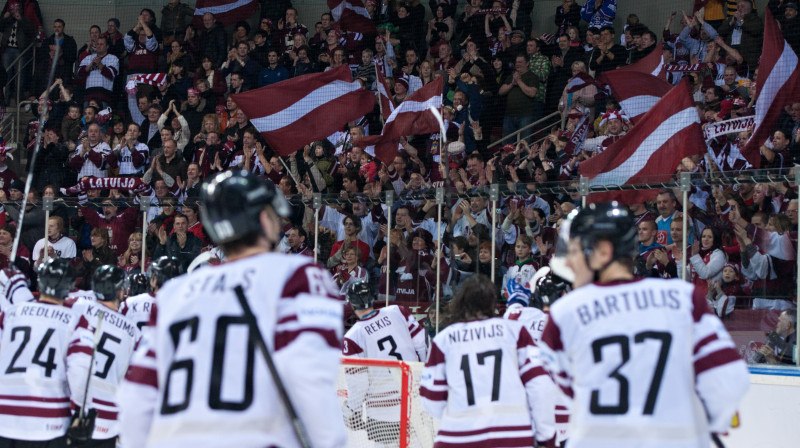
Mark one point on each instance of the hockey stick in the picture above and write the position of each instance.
(12, 257)
(297, 424)
(76, 430)
(715, 438)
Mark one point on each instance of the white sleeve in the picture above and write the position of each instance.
(538, 386)
(710, 269)
(721, 376)
(307, 352)
(433, 387)
(331, 218)
(138, 394)
(417, 332)
(79, 356)
(758, 268)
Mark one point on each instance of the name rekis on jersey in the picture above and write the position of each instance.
(476, 334)
(379, 324)
(627, 302)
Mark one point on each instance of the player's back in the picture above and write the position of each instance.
(214, 386)
(13, 289)
(386, 334)
(41, 343)
(475, 367)
(630, 350)
(138, 308)
(115, 344)
(532, 318)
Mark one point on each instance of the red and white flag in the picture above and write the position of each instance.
(352, 16)
(636, 92)
(384, 96)
(298, 111)
(778, 84)
(411, 117)
(652, 150)
(652, 64)
(226, 12)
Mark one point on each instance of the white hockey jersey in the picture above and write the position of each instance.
(138, 308)
(534, 321)
(117, 339)
(45, 350)
(387, 333)
(64, 248)
(13, 289)
(485, 383)
(198, 379)
(646, 363)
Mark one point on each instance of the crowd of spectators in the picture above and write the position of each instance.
(500, 75)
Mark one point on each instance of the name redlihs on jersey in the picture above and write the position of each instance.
(62, 315)
(476, 334)
(627, 301)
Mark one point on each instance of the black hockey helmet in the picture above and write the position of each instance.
(107, 282)
(606, 221)
(165, 268)
(547, 288)
(232, 201)
(136, 283)
(359, 295)
(56, 278)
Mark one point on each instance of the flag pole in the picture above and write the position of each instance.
(685, 186)
(378, 85)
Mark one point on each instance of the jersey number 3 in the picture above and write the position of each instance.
(388, 339)
(622, 405)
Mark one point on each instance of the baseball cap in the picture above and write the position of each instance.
(792, 5)
(16, 184)
(518, 33)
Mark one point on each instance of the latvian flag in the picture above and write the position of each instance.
(298, 111)
(636, 92)
(651, 151)
(411, 117)
(384, 96)
(778, 84)
(652, 64)
(352, 16)
(226, 12)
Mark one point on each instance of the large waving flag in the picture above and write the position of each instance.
(778, 84)
(226, 12)
(636, 92)
(352, 16)
(411, 117)
(652, 150)
(298, 111)
(652, 64)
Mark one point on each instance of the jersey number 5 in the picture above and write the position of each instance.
(622, 405)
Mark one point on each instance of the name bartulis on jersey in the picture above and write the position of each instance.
(476, 334)
(378, 324)
(627, 302)
(59, 314)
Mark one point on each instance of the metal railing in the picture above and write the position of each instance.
(21, 64)
(545, 123)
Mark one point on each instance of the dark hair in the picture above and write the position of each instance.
(608, 28)
(244, 25)
(476, 298)
(356, 221)
(301, 231)
(461, 242)
(95, 26)
(150, 11)
(261, 33)
(637, 29)
(651, 34)
(60, 21)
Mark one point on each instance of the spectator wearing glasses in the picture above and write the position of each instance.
(352, 227)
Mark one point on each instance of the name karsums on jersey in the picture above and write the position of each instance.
(628, 302)
(476, 334)
(63, 315)
(109, 318)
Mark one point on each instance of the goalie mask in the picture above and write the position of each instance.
(359, 296)
(547, 288)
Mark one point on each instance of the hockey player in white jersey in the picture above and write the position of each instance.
(13, 288)
(136, 283)
(483, 378)
(200, 378)
(391, 333)
(645, 361)
(139, 307)
(45, 352)
(116, 338)
(531, 310)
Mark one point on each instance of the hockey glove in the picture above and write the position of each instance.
(81, 429)
(517, 293)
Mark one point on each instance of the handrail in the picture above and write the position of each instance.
(33, 44)
(17, 74)
(521, 130)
